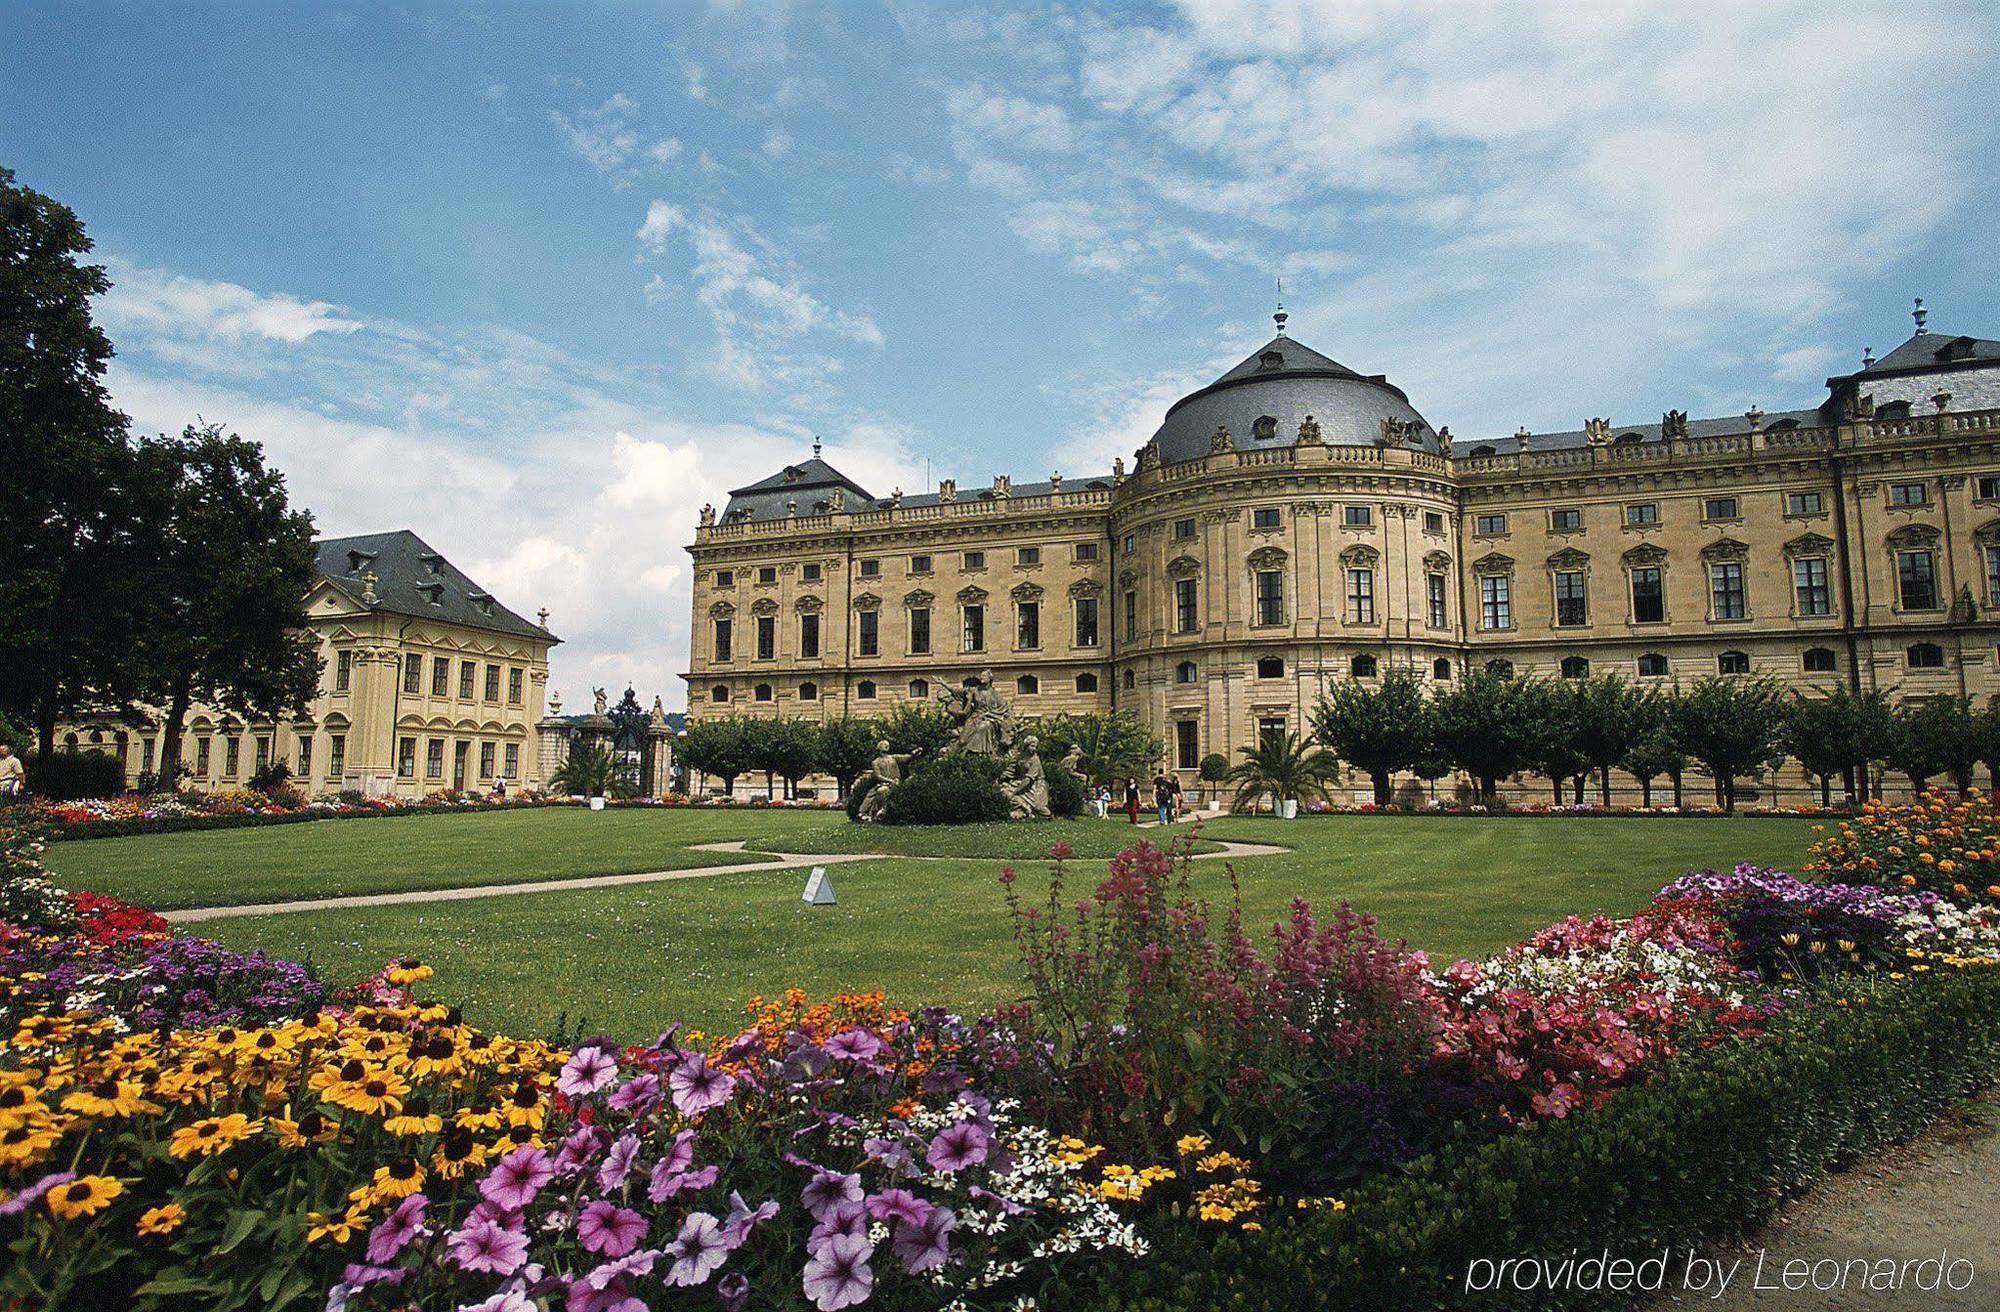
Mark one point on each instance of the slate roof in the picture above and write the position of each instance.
(408, 575)
(1283, 381)
(1508, 445)
(1932, 351)
(809, 482)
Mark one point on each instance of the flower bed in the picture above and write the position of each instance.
(134, 813)
(180, 1125)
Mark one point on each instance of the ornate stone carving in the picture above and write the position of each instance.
(1221, 441)
(1493, 562)
(1437, 561)
(1913, 535)
(1395, 432)
(1003, 487)
(1215, 518)
(1444, 439)
(1755, 418)
(1183, 567)
(1569, 558)
(986, 727)
(1360, 556)
(1597, 432)
(1989, 532)
(868, 601)
(1118, 470)
(1861, 405)
(1809, 544)
(721, 610)
(1726, 549)
(808, 605)
(948, 491)
(1126, 578)
(971, 595)
(1645, 554)
(708, 516)
(1309, 434)
(1674, 423)
(1026, 592)
(1268, 558)
(764, 606)
(836, 501)
(1086, 588)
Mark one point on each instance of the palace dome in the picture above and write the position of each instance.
(1263, 400)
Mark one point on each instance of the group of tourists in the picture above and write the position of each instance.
(1167, 798)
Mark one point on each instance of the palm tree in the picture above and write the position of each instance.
(593, 770)
(1284, 765)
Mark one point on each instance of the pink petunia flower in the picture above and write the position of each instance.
(604, 1227)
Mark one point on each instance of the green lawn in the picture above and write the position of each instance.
(626, 960)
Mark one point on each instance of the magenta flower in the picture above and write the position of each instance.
(743, 1221)
(844, 1220)
(698, 1250)
(927, 1243)
(605, 1227)
(899, 1205)
(827, 1189)
(959, 1146)
(483, 1246)
(393, 1233)
(733, 1292)
(698, 1087)
(617, 1163)
(516, 1178)
(587, 1071)
(670, 1172)
(631, 1265)
(839, 1276)
(640, 1093)
(855, 1045)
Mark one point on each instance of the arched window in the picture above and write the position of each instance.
(1628, 439)
(1027, 685)
(808, 692)
(69, 741)
(1505, 669)
(1185, 672)
(1733, 662)
(1482, 450)
(719, 693)
(1575, 667)
(1270, 667)
(763, 692)
(1086, 683)
(1925, 656)
(1441, 668)
(865, 690)
(919, 689)
(1131, 680)
(1653, 665)
(1362, 667)
(1819, 660)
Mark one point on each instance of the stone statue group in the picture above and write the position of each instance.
(986, 727)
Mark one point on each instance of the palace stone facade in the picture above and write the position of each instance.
(1296, 523)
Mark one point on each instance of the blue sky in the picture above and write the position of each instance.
(539, 281)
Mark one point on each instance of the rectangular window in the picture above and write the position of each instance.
(1131, 616)
(1434, 598)
(1909, 494)
(433, 758)
(1028, 556)
(723, 639)
(413, 673)
(512, 759)
(146, 757)
(974, 560)
(1719, 508)
(493, 683)
(974, 628)
(1270, 727)
(767, 637)
(920, 630)
(1809, 583)
(1572, 605)
(1566, 521)
(869, 640)
(1270, 597)
(1803, 503)
(1496, 602)
(809, 573)
(440, 676)
(809, 636)
(871, 569)
(1266, 517)
(1357, 516)
(1649, 596)
(1086, 551)
(1490, 524)
(263, 756)
(305, 756)
(1186, 599)
(1989, 487)
(201, 756)
(1183, 529)
(336, 758)
(343, 671)
(1361, 596)
(1916, 580)
(1086, 621)
(1027, 625)
(1993, 576)
(1129, 540)
(1434, 521)
(920, 564)
(767, 574)
(232, 756)
(467, 672)
(1187, 744)
(725, 578)
(1641, 513)
(486, 760)
(406, 757)
(1725, 588)
(515, 679)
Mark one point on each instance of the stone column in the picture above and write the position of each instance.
(659, 754)
(551, 743)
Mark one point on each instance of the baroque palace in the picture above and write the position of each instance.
(427, 682)
(1295, 523)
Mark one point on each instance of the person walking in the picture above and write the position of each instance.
(13, 775)
(1132, 799)
(1163, 798)
(1174, 786)
(1103, 801)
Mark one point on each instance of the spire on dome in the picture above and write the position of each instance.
(1920, 314)
(1280, 317)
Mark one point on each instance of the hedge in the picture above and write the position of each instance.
(1706, 1151)
(68, 776)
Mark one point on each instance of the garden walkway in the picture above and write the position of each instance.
(777, 861)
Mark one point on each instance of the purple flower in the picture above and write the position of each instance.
(899, 1205)
(855, 1045)
(927, 1243)
(358, 1276)
(587, 1071)
(698, 1087)
(733, 1292)
(28, 1197)
(698, 1250)
(510, 1300)
(670, 1171)
(605, 1227)
(743, 1221)
(846, 1220)
(958, 1146)
(892, 1153)
(640, 1093)
(829, 1188)
(618, 1297)
(482, 1245)
(578, 1148)
(838, 1275)
(393, 1233)
(806, 1062)
(618, 1162)
(516, 1178)
(632, 1264)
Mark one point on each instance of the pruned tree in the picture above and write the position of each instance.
(1486, 726)
(1654, 755)
(1552, 750)
(715, 747)
(846, 747)
(1932, 736)
(1378, 726)
(1608, 716)
(1730, 727)
(1837, 733)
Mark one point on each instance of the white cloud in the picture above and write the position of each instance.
(197, 309)
(610, 139)
(777, 143)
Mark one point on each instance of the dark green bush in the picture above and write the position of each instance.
(955, 790)
(68, 776)
(1065, 791)
(1706, 1150)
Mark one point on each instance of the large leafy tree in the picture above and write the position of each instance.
(1553, 749)
(715, 747)
(846, 747)
(65, 523)
(1837, 733)
(1730, 726)
(1608, 715)
(917, 727)
(1378, 726)
(1935, 735)
(1115, 746)
(1282, 765)
(1486, 725)
(1654, 755)
(221, 590)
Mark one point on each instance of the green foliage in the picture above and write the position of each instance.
(1937, 735)
(67, 776)
(1608, 717)
(274, 776)
(1554, 749)
(1654, 755)
(1705, 1151)
(954, 790)
(845, 748)
(1115, 746)
(1730, 727)
(782, 749)
(1486, 725)
(1282, 766)
(1214, 768)
(594, 770)
(1065, 791)
(717, 747)
(916, 727)
(1378, 726)
(1836, 733)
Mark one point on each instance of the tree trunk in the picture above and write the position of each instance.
(1487, 784)
(770, 787)
(1578, 789)
(171, 730)
(1729, 796)
(1677, 792)
(1556, 784)
(1848, 786)
(1646, 792)
(1380, 778)
(1826, 792)
(1917, 785)
(45, 730)
(1604, 784)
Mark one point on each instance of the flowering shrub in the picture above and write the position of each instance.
(1947, 846)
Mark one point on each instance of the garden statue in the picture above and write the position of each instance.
(986, 728)
(884, 773)
(1022, 781)
(985, 725)
(1072, 761)
(599, 694)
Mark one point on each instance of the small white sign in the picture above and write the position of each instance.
(819, 889)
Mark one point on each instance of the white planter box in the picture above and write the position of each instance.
(1290, 808)
(597, 804)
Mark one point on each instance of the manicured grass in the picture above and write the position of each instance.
(1005, 841)
(627, 960)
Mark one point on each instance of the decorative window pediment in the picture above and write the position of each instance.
(1989, 532)
(1493, 563)
(1268, 558)
(721, 610)
(971, 596)
(1026, 592)
(1726, 549)
(918, 600)
(1085, 588)
(1646, 554)
(1183, 567)
(808, 605)
(1569, 558)
(868, 601)
(1809, 544)
(1360, 556)
(1437, 561)
(1914, 535)
(764, 606)
(1126, 578)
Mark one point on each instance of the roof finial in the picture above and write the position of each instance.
(1280, 317)
(1867, 357)
(1920, 314)
(815, 446)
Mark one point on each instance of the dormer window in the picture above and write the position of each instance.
(1271, 360)
(357, 559)
(1893, 410)
(791, 473)
(1958, 348)
(483, 600)
(1628, 439)
(1264, 429)
(434, 563)
(433, 593)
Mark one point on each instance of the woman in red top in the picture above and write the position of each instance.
(1132, 800)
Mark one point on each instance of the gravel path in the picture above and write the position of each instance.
(1937, 1197)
